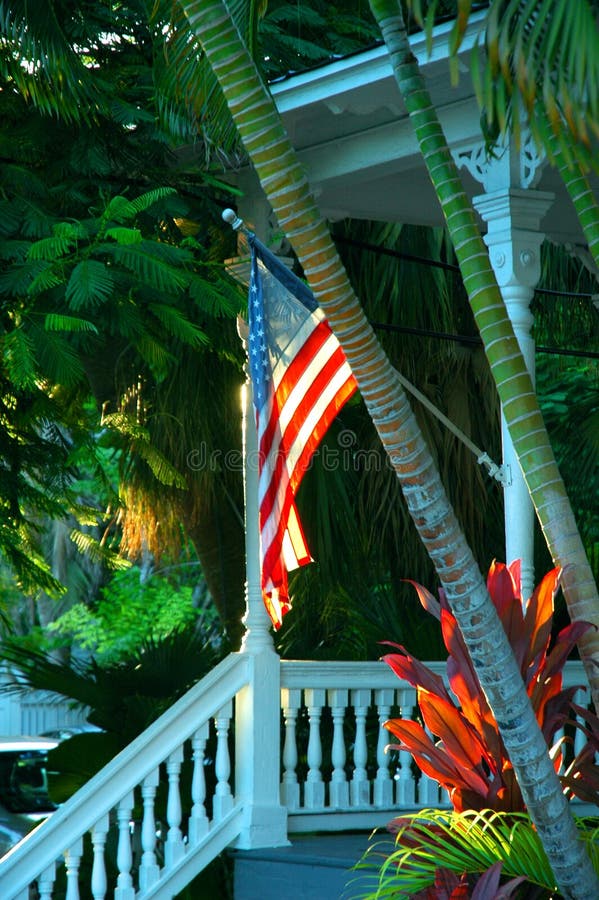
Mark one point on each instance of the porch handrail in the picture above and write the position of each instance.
(93, 802)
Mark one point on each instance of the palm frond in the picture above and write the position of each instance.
(540, 60)
(37, 55)
(461, 842)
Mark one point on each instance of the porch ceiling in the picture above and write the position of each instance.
(349, 125)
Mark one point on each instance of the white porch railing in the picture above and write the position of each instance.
(347, 780)
(335, 775)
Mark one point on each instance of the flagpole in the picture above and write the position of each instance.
(256, 619)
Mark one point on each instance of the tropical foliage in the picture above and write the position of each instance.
(131, 608)
(466, 755)
(433, 843)
(111, 290)
(534, 60)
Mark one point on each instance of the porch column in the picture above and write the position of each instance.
(513, 213)
(257, 708)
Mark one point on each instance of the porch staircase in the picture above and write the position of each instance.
(259, 757)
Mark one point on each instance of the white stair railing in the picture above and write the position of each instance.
(336, 773)
(153, 859)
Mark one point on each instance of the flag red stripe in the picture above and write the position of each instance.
(288, 438)
(281, 488)
(292, 375)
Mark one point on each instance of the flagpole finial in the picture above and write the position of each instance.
(231, 217)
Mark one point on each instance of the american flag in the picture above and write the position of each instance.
(300, 381)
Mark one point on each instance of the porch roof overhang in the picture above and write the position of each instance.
(348, 123)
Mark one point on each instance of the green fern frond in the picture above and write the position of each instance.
(217, 299)
(162, 470)
(31, 572)
(115, 210)
(24, 181)
(90, 284)
(128, 427)
(18, 278)
(96, 552)
(14, 251)
(154, 353)
(19, 358)
(47, 277)
(60, 322)
(145, 201)
(57, 358)
(125, 425)
(122, 210)
(178, 325)
(10, 218)
(123, 235)
(142, 260)
(59, 244)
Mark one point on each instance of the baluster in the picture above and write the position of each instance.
(428, 789)
(98, 880)
(223, 800)
(360, 787)
(124, 857)
(198, 820)
(45, 883)
(290, 792)
(72, 858)
(406, 781)
(149, 870)
(339, 788)
(174, 847)
(314, 787)
(383, 785)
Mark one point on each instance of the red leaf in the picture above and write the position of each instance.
(503, 584)
(460, 740)
(487, 884)
(416, 673)
(539, 614)
(430, 603)
(432, 760)
(564, 644)
(502, 588)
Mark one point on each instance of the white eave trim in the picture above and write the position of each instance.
(362, 69)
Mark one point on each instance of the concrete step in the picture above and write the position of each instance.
(314, 867)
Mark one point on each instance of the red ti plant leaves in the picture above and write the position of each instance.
(467, 756)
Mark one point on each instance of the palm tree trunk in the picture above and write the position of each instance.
(287, 189)
(514, 385)
(580, 191)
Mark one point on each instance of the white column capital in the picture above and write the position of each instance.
(513, 218)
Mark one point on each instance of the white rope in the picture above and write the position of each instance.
(482, 458)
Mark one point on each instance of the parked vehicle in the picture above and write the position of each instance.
(24, 799)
